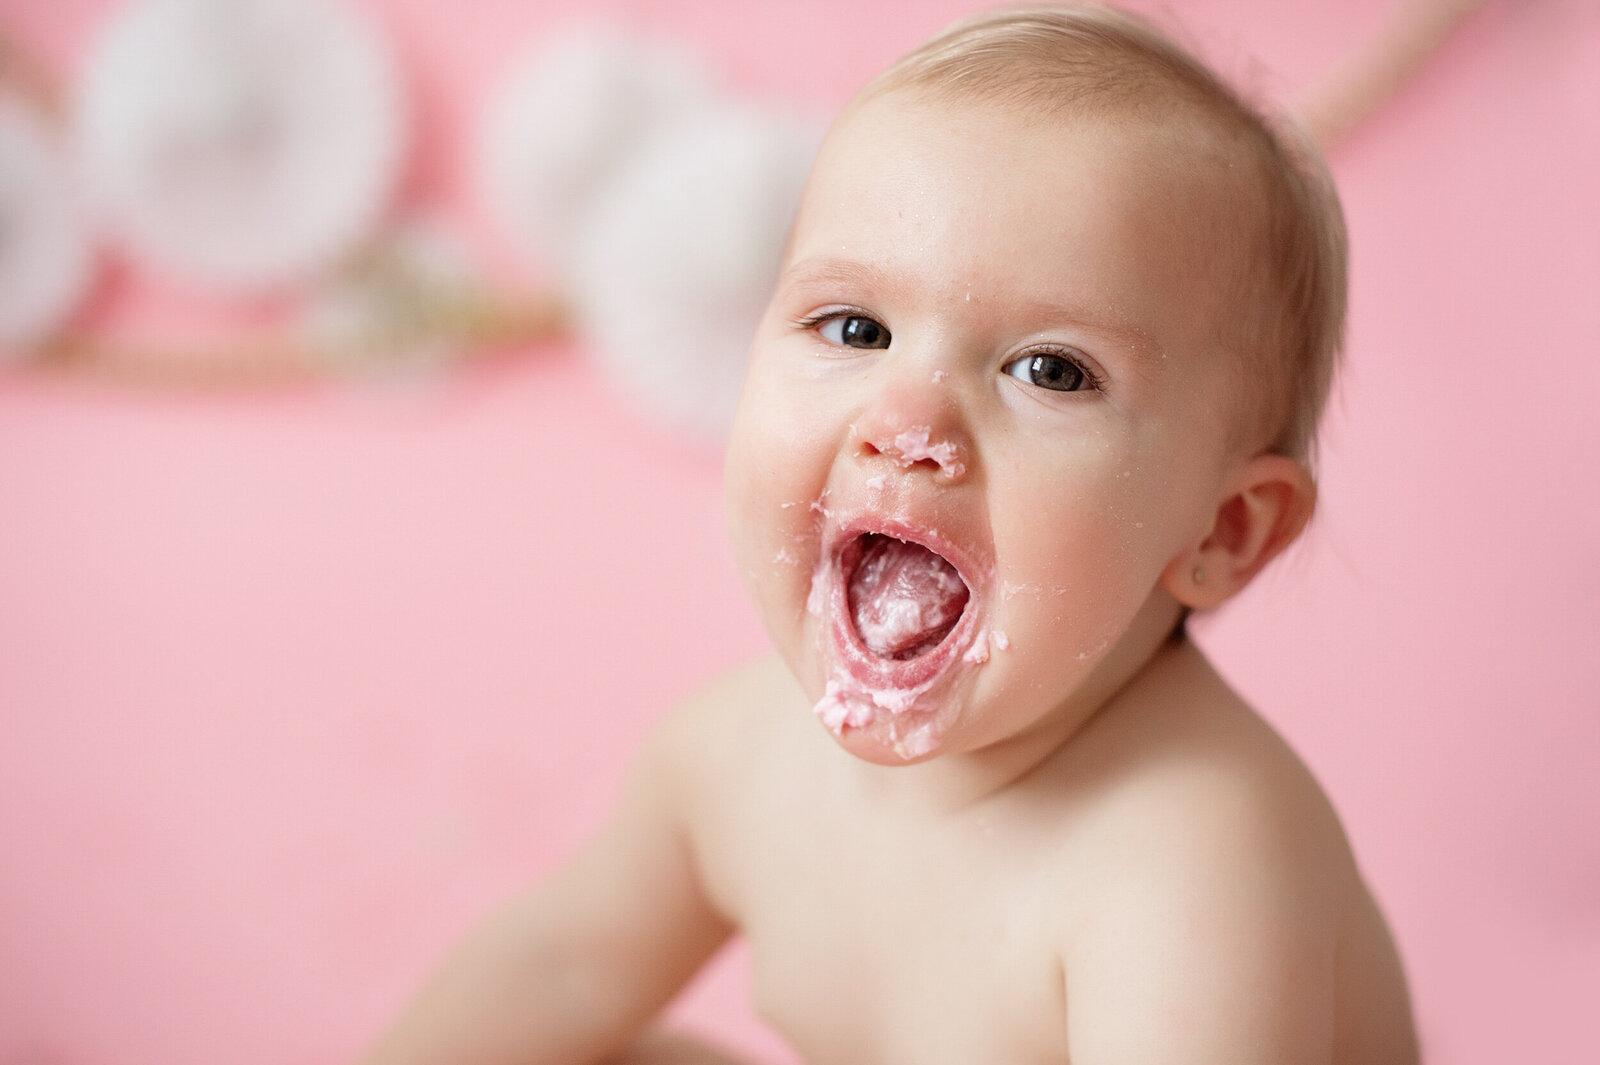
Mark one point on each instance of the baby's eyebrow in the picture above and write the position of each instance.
(829, 272)
(1102, 322)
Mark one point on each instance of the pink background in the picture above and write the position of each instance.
(293, 685)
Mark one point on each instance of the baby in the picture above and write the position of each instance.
(1039, 377)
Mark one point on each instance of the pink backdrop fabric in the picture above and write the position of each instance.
(294, 685)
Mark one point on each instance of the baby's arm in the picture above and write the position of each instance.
(573, 969)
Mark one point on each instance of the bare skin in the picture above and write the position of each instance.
(1071, 845)
(1174, 865)
(1172, 877)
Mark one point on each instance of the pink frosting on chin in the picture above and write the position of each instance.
(839, 707)
(847, 705)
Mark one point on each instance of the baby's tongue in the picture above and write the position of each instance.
(904, 598)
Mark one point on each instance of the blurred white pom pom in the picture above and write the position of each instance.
(240, 144)
(46, 250)
(565, 123)
(676, 267)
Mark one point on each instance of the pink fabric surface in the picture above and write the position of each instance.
(293, 685)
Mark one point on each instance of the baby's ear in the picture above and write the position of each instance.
(1263, 507)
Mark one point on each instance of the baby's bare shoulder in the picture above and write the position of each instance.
(731, 713)
(1229, 826)
(716, 741)
(1223, 887)
(1180, 771)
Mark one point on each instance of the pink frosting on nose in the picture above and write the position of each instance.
(914, 445)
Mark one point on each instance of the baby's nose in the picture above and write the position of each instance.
(914, 429)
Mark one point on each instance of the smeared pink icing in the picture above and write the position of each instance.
(913, 446)
(840, 707)
(903, 597)
(865, 689)
(847, 704)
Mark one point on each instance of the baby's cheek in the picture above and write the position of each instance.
(770, 523)
(1078, 565)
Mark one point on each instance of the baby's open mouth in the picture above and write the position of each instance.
(903, 598)
(901, 616)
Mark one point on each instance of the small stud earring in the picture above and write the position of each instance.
(1199, 575)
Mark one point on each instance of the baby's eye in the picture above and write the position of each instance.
(854, 331)
(1056, 371)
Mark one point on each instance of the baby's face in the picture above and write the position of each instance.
(994, 354)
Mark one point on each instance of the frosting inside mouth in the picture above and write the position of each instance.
(903, 598)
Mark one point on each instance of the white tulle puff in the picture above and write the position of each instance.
(240, 144)
(46, 247)
(659, 204)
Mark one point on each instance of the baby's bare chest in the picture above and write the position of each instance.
(874, 943)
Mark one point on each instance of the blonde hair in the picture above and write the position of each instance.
(1104, 61)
